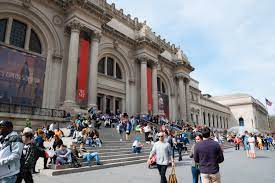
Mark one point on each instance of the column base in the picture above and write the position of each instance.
(91, 105)
(69, 105)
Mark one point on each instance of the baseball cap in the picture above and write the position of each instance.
(7, 124)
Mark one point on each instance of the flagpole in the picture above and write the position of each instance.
(267, 116)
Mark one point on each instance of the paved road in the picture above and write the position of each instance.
(236, 168)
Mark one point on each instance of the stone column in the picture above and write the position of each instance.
(182, 99)
(72, 65)
(114, 105)
(143, 87)
(123, 105)
(187, 95)
(155, 89)
(104, 104)
(92, 93)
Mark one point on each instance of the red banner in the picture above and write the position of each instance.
(149, 89)
(82, 78)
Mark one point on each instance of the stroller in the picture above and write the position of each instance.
(153, 162)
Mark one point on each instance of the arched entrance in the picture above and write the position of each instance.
(163, 98)
(241, 121)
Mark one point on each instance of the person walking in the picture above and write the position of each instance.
(251, 141)
(163, 152)
(28, 157)
(195, 166)
(10, 152)
(237, 142)
(209, 155)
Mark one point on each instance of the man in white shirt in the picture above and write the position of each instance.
(163, 152)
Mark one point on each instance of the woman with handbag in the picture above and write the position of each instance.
(195, 166)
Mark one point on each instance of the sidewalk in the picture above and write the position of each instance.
(236, 168)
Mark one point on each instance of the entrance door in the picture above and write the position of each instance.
(108, 105)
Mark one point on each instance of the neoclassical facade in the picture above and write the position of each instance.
(246, 110)
(91, 54)
(96, 56)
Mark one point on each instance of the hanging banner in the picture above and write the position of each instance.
(149, 89)
(21, 77)
(82, 74)
(163, 101)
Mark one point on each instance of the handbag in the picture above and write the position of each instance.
(172, 176)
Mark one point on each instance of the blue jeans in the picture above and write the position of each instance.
(136, 149)
(11, 179)
(195, 174)
(90, 156)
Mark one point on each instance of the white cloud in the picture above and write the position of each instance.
(230, 42)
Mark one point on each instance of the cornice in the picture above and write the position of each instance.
(166, 61)
(214, 102)
(107, 30)
(146, 42)
(96, 11)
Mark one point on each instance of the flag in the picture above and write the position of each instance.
(269, 103)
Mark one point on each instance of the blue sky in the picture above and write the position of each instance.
(231, 43)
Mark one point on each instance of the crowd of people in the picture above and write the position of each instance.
(19, 152)
(251, 141)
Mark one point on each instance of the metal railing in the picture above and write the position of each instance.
(31, 110)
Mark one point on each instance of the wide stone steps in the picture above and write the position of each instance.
(113, 153)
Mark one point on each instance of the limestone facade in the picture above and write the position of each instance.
(130, 46)
(246, 110)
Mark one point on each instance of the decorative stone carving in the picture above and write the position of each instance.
(57, 20)
(115, 44)
(27, 3)
(75, 25)
(96, 36)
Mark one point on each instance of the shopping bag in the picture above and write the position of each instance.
(172, 176)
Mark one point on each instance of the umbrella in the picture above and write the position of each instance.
(239, 130)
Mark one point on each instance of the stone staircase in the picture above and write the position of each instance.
(113, 153)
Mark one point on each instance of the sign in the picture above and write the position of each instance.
(21, 77)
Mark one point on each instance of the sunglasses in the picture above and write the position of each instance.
(160, 136)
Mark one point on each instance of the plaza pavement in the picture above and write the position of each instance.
(237, 168)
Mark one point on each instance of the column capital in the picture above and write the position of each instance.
(96, 36)
(142, 60)
(182, 76)
(154, 65)
(187, 80)
(75, 26)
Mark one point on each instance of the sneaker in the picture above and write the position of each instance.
(98, 163)
(120, 140)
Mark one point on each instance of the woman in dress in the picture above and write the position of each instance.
(251, 141)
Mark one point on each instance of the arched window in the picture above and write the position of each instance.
(18, 35)
(161, 86)
(3, 26)
(111, 67)
(101, 66)
(118, 72)
(241, 121)
(35, 44)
